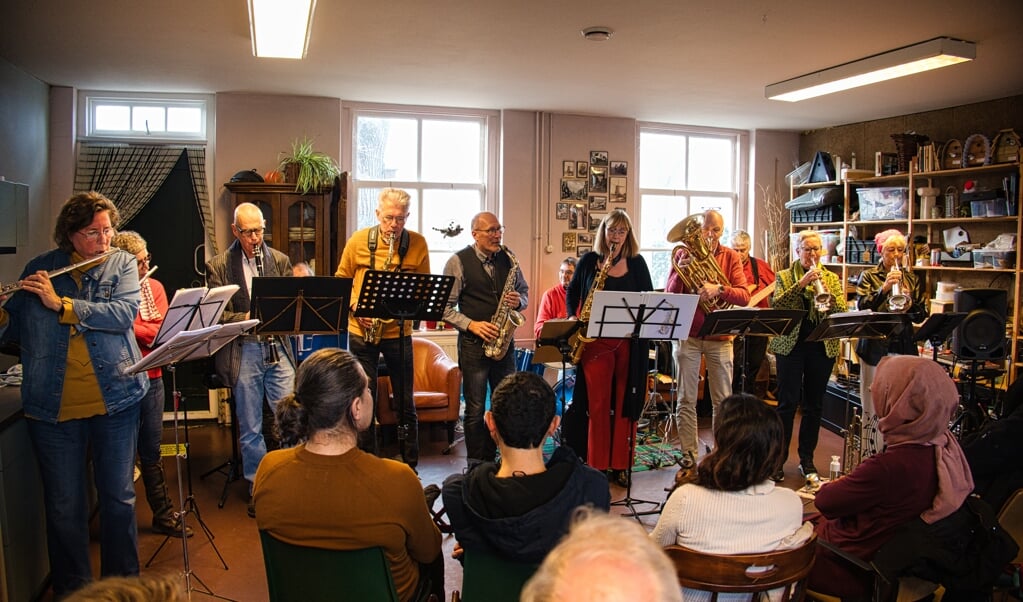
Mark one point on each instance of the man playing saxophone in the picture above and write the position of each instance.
(387, 246)
(730, 288)
(486, 277)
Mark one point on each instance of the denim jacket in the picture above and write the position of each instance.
(106, 306)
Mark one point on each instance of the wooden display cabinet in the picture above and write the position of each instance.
(307, 227)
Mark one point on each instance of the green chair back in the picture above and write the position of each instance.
(303, 574)
(490, 578)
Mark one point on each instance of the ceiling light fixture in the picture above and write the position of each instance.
(281, 28)
(598, 34)
(932, 54)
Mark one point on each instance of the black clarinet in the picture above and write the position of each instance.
(270, 356)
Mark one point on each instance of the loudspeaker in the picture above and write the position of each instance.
(981, 336)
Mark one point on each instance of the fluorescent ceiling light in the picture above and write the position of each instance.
(280, 28)
(932, 54)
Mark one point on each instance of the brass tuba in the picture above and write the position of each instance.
(688, 233)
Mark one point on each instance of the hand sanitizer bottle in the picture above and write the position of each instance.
(835, 470)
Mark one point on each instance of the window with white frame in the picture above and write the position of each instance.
(681, 172)
(442, 158)
(151, 118)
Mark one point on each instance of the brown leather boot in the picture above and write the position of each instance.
(160, 503)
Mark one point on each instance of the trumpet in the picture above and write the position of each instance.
(899, 300)
(7, 290)
(821, 296)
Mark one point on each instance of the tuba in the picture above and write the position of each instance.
(505, 318)
(577, 342)
(688, 233)
(372, 335)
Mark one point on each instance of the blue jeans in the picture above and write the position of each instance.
(62, 450)
(151, 423)
(478, 371)
(258, 381)
(369, 357)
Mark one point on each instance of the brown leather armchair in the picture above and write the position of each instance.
(436, 390)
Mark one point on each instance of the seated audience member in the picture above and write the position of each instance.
(729, 504)
(327, 493)
(159, 587)
(995, 450)
(552, 305)
(520, 508)
(604, 558)
(922, 472)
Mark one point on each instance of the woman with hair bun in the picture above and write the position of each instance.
(325, 492)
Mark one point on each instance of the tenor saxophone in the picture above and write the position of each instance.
(376, 328)
(577, 342)
(505, 318)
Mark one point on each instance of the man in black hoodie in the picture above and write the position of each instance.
(519, 508)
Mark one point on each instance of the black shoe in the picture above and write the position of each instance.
(169, 526)
(431, 492)
(807, 468)
(252, 508)
(779, 476)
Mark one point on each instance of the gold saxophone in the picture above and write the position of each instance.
(688, 233)
(852, 444)
(372, 334)
(577, 342)
(505, 318)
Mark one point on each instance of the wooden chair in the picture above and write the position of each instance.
(784, 570)
(489, 578)
(1010, 517)
(304, 574)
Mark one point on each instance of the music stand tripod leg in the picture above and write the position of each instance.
(230, 468)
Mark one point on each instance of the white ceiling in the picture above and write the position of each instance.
(694, 62)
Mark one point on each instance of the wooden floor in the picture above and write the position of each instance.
(228, 563)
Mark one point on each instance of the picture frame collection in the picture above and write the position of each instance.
(586, 189)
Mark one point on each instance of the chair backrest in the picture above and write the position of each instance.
(1010, 517)
(746, 573)
(300, 573)
(489, 578)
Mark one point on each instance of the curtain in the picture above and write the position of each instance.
(130, 174)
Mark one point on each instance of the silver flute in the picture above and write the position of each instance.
(10, 288)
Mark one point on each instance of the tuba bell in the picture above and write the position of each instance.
(688, 233)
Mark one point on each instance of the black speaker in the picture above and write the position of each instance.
(981, 336)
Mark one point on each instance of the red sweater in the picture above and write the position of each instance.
(734, 292)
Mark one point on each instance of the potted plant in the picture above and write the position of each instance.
(308, 169)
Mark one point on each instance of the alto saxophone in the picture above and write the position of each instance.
(505, 318)
(577, 342)
(376, 328)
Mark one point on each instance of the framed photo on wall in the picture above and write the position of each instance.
(619, 168)
(568, 169)
(568, 241)
(619, 189)
(580, 251)
(598, 158)
(573, 190)
(598, 179)
(561, 211)
(595, 219)
(584, 238)
(598, 203)
(578, 217)
(581, 169)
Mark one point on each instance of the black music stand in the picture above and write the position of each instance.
(186, 345)
(937, 328)
(746, 322)
(641, 317)
(403, 296)
(552, 346)
(311, 305)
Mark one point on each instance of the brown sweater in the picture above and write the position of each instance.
(348, 502)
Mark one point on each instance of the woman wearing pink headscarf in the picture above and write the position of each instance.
(922, 472)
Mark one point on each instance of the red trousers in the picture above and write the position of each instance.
(605, 365)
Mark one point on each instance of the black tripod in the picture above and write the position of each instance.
(552, 346)
(232, 467)
(188, 504)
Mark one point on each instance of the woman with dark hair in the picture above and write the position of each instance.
(605, 361)
(327, 493)
(77, 343)
(730, 505)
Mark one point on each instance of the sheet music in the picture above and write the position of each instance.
(666, 315)
(217, 338)
(177, 347)
(193, 308)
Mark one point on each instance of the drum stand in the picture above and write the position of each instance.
(188, 504)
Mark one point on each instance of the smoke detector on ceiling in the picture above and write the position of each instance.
(598, 33)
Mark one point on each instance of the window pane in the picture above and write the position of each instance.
(452, 151)
(387, 149)
(724, 206)
(663, 159)
(184, 119)
(659, 266)
(660, 214)
(113, 118)
(711, 164)
(148, 119)
(366, 209)
(444, 209)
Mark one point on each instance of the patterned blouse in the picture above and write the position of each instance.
(787, 295)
